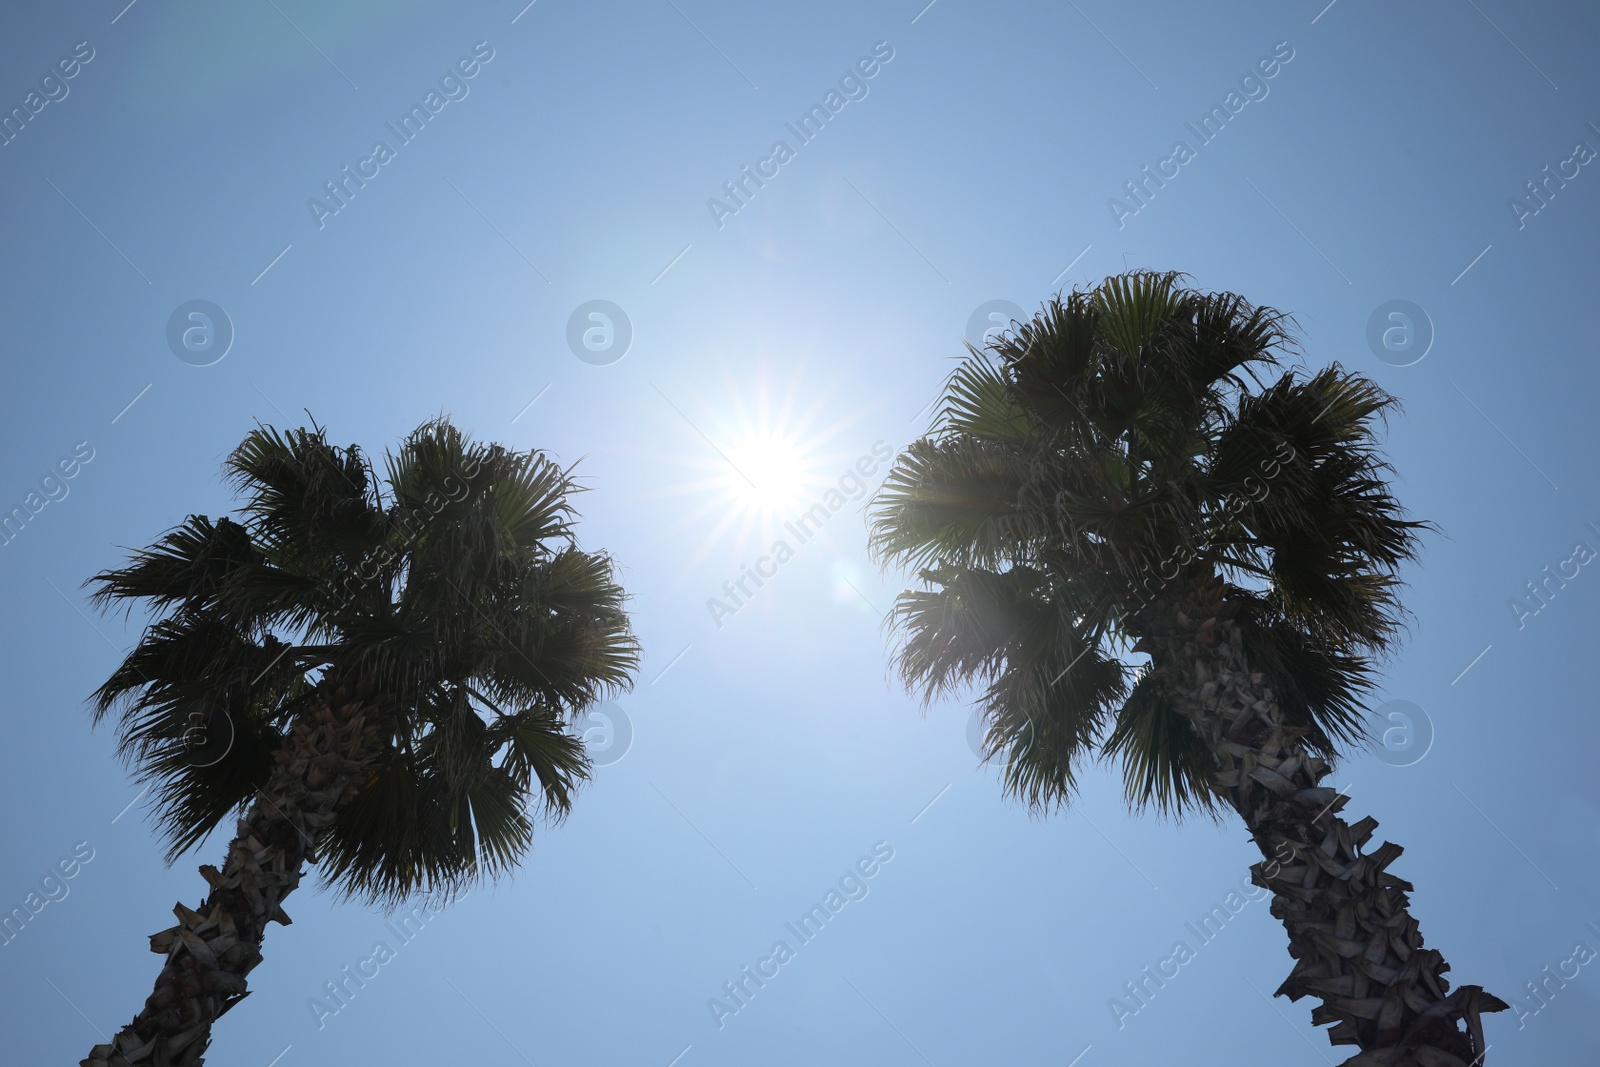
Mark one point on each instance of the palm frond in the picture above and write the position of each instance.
(1166, 766)
(955, 499)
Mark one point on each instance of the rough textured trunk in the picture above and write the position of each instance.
(1356, 944)
(211, 950)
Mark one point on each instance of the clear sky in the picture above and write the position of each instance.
(793, 331)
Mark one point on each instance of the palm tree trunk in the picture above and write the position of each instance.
(318, 768)
(1354, 940)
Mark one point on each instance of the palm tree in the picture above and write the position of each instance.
(378, 679)
(1136, 547)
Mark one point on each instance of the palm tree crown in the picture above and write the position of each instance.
(1123, 440)
(453, 590)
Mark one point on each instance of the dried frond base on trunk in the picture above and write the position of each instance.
(211, 950)
(1351, 933)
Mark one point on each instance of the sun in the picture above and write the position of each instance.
(753, 455)
(768, 472)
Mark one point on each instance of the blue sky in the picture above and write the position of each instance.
(772, 752)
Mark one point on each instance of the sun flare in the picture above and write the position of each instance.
(769, 473)
(756, 456)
